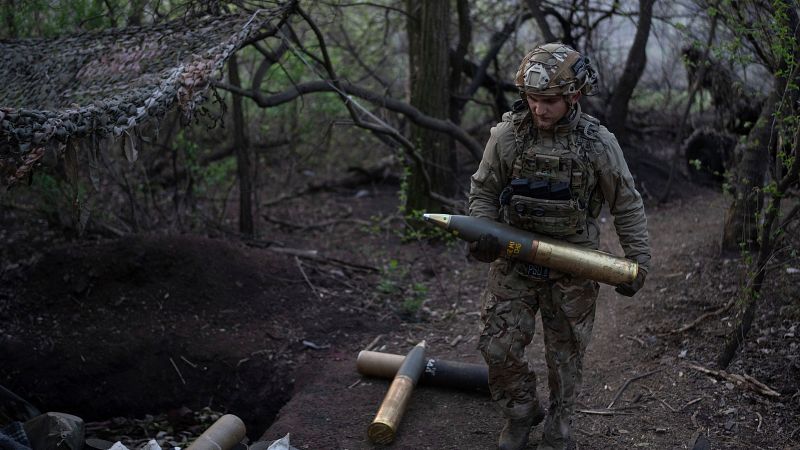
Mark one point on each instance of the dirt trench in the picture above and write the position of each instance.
(148, 324)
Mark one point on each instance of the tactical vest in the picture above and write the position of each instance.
(552, 188)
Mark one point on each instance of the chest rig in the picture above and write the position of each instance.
(552, 181)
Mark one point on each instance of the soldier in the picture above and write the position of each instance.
(548, 168)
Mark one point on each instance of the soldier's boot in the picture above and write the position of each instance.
(515, 433)
(556, 435)
(556, 444)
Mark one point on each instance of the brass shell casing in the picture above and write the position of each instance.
(524, 246)
(377, 364)
(223, 434)
(585, 263)
(383, 428)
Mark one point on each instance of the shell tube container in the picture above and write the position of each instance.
(437, 372)
(383, 428)
(223, 434)
(525, 246)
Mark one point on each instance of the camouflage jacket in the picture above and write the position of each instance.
(610, 181)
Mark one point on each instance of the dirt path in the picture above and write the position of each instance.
(667, 409)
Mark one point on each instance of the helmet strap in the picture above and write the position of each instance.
(570, 105)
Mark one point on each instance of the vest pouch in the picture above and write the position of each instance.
(550, 217)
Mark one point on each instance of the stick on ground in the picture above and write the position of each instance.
(628, 382)
(300, 266)
(703, 317)
(604, 412)
(745, 381)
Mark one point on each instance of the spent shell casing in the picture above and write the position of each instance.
(383, 428)
(529, 247)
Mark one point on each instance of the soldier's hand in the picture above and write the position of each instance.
(485, 249)
(628, 289)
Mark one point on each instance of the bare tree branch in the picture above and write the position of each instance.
(458, 59)
(338, 86)
(270, 58)
(693, 89)
(605, 15)
(374, 5)
(444, 126)
(634, 67)
(737, 9)
(535, 6)
(272, 30)
(497, 41)
(351, 49)
(789, 217)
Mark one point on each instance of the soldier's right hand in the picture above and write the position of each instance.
(629, 289)
(485, 249)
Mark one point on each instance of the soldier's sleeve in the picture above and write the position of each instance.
(624, 201)
(488, 181)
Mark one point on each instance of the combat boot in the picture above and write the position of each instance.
(515, 434)
(562, 444)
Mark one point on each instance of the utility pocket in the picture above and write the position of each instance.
(551, 217)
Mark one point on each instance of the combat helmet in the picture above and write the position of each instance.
(555, 69)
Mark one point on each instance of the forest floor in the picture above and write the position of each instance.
(138, 334)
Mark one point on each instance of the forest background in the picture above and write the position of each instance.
(328, 134)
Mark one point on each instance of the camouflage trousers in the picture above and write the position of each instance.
(510, 305)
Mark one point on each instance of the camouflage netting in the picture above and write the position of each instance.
(96, 85)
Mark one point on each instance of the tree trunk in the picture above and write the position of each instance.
(769, 231)
(9, 7)
(136, 12)
(634, 67)
(428, 24)
(240, 145)
(749, 225)
(458, 60)
(752, 159)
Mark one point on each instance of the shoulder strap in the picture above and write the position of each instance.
(523, 132)
(588, 142)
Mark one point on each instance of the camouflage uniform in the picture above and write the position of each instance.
(596, 172)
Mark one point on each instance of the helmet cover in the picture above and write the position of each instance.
(555, 69)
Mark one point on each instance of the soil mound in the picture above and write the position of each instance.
(152, 323)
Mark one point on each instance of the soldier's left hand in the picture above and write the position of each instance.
(628, 289)
(486, 248)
